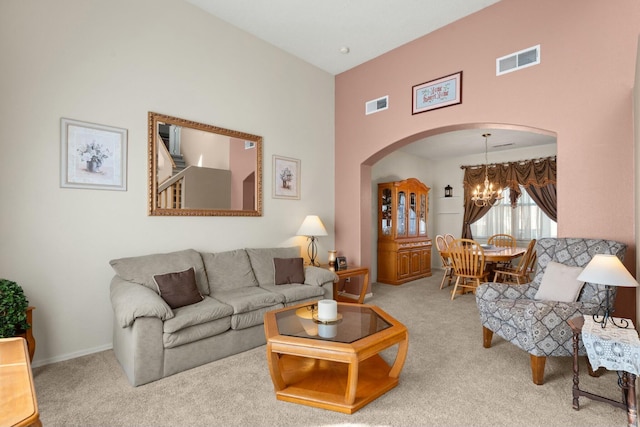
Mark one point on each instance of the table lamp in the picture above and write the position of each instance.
(312, 227)
(607, 270)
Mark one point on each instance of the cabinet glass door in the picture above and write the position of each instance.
(386, 212)
(423, 214)
(413, 216)
(402, 201)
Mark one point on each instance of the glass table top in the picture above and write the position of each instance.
(354, 323)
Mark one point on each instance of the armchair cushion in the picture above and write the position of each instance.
(560, 283)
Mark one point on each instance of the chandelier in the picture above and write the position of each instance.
(487, 196)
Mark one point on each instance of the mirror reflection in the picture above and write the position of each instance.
(200, 169)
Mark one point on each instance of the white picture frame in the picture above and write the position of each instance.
(92, 156)
(286, 178)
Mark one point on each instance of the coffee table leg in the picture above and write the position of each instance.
(274, 369)
(352, 381)
(403, 347)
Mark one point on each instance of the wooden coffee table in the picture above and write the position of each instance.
(333, 366)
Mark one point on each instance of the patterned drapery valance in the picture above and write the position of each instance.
(536, 172)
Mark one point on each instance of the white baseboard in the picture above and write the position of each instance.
(42, 362)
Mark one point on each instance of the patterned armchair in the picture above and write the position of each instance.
(540, 327)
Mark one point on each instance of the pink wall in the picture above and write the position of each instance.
(581, 90)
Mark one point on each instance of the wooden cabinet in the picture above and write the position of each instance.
(404, 247)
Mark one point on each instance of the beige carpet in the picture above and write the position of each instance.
(449, 379)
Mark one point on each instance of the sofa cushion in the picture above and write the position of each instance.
(560, 283)
(178, 289)
(251, 318)
(262, 261)
(229, 270)
(195, 322)
(244, 300)
(207, 310)
(288, 270)
(141, 269)
(296, 293)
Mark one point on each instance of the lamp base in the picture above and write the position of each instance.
(312, 251)
(606, 317)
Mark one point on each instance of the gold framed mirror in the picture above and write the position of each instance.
(197, 169)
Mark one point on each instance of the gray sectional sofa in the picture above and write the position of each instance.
(151, 340)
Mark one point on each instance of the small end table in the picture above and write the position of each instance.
(626, 380)
(344, 273)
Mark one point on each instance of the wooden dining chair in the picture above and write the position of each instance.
(449, 238)
(502, 241)
(522, 273)
(468, 265)
(447, 265)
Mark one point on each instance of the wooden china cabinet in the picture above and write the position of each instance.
(404, 247)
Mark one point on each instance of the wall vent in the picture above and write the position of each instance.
(376, 105)
(518, 60)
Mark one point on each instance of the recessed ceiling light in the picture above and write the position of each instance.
(344, 49)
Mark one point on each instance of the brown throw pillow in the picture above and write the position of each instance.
(288, 270)
(178, 289)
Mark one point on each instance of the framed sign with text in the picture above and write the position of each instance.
(438, 93)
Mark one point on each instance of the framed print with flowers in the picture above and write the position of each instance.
(92, 156)
(286, 178)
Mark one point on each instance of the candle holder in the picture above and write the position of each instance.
(332, 258)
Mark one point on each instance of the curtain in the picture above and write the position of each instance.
(545, 198)
(537, 176)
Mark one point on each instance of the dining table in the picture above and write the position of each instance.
(496, 254)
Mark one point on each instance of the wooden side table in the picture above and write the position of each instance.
(28, 334)
(350, 272)
(18, 405)
(627, 381)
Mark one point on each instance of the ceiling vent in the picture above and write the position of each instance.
(376, 105)
(516, 61)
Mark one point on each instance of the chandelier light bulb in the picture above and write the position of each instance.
(488, 196)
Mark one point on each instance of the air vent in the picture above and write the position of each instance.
(516, 61)
(508, 144)
(376, 105)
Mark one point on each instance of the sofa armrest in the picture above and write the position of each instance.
(131, 300)
(316, 276)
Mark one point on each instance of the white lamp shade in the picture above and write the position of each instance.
(312, 226)
(607, 270)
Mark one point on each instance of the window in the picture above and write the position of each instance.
(526, 221)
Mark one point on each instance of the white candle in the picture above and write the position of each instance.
(327, 310)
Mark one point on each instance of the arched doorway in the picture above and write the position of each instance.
(449, 147)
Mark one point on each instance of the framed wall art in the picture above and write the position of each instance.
(92, 156)
(286, 178)
(438, 93)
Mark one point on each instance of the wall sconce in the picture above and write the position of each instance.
(448, 191)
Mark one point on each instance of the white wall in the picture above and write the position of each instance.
(110, 62)
(445, 215)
